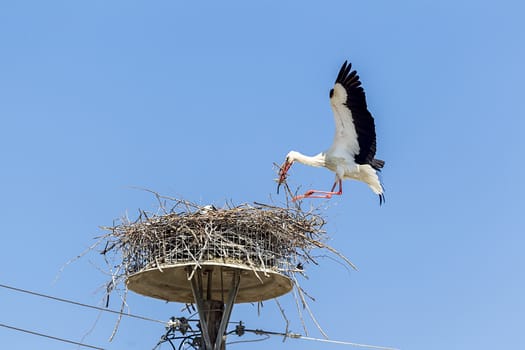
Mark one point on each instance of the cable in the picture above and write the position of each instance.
(80, 304)
(50, 337)
(348, 343)
(256, 331)
(249, 341)
(299, 336)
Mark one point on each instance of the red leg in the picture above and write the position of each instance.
(321, 194)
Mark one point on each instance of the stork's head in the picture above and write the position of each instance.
(283, 170)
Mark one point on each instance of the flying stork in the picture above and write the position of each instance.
(351, 155)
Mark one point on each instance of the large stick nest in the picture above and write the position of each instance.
(258, 236)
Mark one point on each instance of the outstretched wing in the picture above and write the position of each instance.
(355, 128)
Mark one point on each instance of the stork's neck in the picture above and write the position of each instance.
(317, 160)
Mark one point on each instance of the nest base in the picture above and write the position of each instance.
(171, 282)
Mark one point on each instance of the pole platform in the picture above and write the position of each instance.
(172, 282)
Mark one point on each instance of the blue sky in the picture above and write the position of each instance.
(197, 100)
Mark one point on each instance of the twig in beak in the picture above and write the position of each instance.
(283, 173)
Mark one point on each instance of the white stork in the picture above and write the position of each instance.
(351, 155)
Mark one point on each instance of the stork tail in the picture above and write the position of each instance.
(377, 164)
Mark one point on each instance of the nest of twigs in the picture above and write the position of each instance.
(258, 236)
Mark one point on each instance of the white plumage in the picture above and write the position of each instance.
(352, 153)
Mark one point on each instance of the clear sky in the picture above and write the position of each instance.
(198, 99)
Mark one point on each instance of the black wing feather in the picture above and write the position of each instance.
(363, 120)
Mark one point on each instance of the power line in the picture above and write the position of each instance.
(182, 326)
(299, 336)
(256, 331)
(347, 343)
(80, 304)
(50, 337)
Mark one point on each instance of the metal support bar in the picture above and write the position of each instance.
(236, 281)
(208, 285)
(197, 295)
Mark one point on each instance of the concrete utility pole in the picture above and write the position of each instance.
(214, 314)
